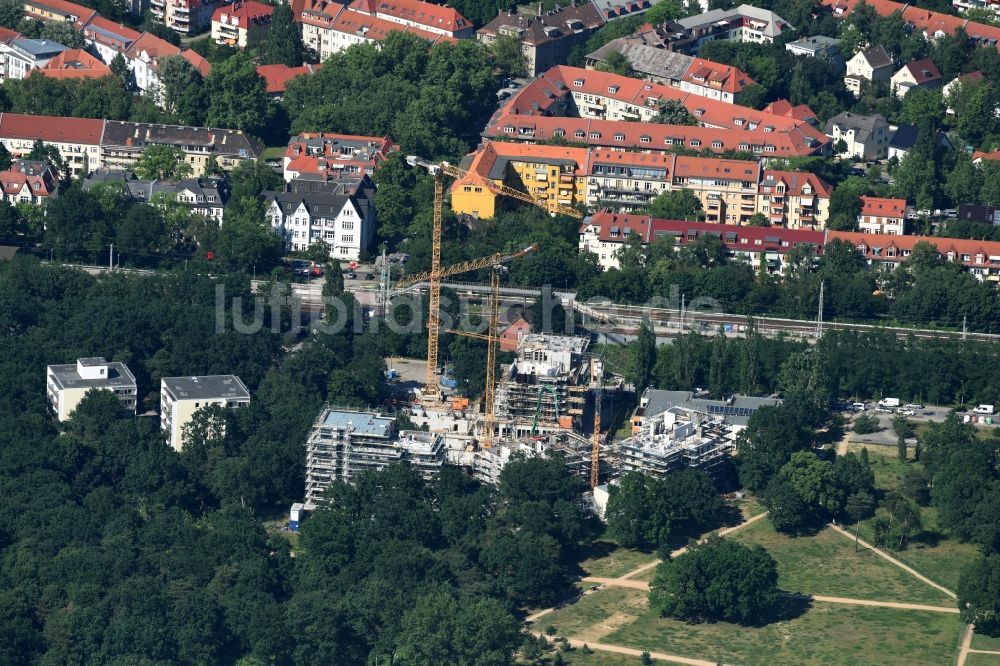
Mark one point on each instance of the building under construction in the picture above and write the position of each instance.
(679, 438)
(486, 464)
(545, 389)
(344, 443)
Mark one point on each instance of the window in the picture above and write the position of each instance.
(347, 225)
(619, 137)
(644, 139)
(580, 134)
(717, 144)
(349, 238)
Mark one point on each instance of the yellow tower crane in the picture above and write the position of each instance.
(438, 170)
(597, 379)
(494, 261)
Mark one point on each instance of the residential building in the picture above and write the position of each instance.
(679, 439)
(108, 38)
(882, 216)
(324, 155)
(202, 196)
(872, 65)
(66, 385)
(546, 38)
(554, 173)
(241, 24)
(980, 258)
(628, 180)
(59, 11)
(427, 16)
(865, 137)
(545, 388)
(916, 74)
(794, 199)
(715, 81)
(182, 397)
(143, 57)
(978, 213)
(340, 445)
(276, 77)
(953, 86)
(187, 17)
(605, 232)
(75, 64)
(22, 55)
(727, 189)
(77, 139)
(800, 112)
(931, 25)
(29, 181)
(648, 60)
(571, 91)
(615, 9)
(123, 143)
(735, 410)
(979, 155)
(511, 335)
(904, 137)
(745, 23)
(965, 5)
(819, 46)
(653, 138)
(345, 223)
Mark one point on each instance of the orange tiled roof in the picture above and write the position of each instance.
(424, 13)
(276, 77)
(883, 207)
(930, 22)
(244, 11)
(75, 64)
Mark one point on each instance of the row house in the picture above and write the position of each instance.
(345, 223)
(730, 191)
(318, 155)
(882, 216)
(87, 144)
(29, 181)
(59, 11)
(108, 38)
(242, 24)
(605, 233)
(123, 143)
(744, 23)
(78, 140)
(201, 196)
(595, 95)
(980, 258)
(329, 27)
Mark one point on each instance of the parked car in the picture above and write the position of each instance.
(858, 406)
(351, 275)
(903, 411)
(914, 406)
(883, 410)
(369, 276)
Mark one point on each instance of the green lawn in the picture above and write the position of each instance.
(941, 558)
(825, 635)
(595, 658)
(750, 507)
(596, 614)
(617, 562)
(981, 642)
(974, 659)
(826, 564)
(646, 575)
(273, 152)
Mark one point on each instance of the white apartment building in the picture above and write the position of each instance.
(182, 397)
(22, 55)
(339, 438)
(66, 385)
(345, 223)
(866, 137)
(882, 216)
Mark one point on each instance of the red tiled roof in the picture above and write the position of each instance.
(55, 129)
(923, 71)
(981, 155)
(540, 97)
(782, 107)
(6, 34)
(197, 61)
(883, 207)
(734, 237)
(484, 159)
(652, 137)
(75, 64)
(923, 19)
(717, 76)
(41, 179)
(881, 247)
(376, 29)
(276, 77)
(795, 181)
(424, 13)
(714, 167)
(244, 11)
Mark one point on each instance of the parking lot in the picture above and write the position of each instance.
(886, 435)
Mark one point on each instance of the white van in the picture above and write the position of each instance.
(983, 409)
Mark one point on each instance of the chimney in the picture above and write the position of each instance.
(539, 8)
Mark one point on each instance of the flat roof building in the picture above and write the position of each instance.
(66, 385)
(182, 397)
(736, 410)
(676, 439)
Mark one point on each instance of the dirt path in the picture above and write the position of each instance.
(618, 649)
(963, 653)
(642, 585)
(681, 551)
(910, 570)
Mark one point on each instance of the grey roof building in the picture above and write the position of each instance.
(66, 385)
(204, 196)
(736, 410)
(645, 59)
(123, 143)
(305, 213)
(182, 397)
(819, 46)
(866, 137)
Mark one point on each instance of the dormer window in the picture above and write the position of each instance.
(613, 89)
(619, 137)
(578, 83)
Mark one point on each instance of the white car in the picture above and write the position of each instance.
(883, 410)
(903, 411)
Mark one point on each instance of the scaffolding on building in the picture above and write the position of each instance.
(682, 438)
